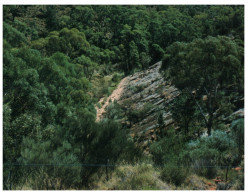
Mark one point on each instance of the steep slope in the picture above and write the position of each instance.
(116, 94)
(147, 94)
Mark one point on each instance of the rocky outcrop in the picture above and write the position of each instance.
(234, 116)
(148, 94)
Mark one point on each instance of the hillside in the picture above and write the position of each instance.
(148, 93)
(144, 89)
(123, 97)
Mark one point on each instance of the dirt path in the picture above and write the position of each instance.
(114, 96)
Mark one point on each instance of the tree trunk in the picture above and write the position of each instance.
(209, 126)
(210, 123)
(200, 109)
(210, 109)
(226, 174)
(186, 122)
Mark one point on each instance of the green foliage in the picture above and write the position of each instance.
(13, 36)
(117, 77)
(171, 173)
(57, 176)
(136, 88)
(161, 124)
(238, 180)
(135, 115)
(183, 111)
(71, 42)
(88, 65)
(238, 133)
(114, 111)
(166, 150)
(28, 31)
(207, 66)
(157, 53)
(40, 95)
(201, 61)
(166, 155)
(136, 177)
(56, 65)
(209, 152)
(112, 142)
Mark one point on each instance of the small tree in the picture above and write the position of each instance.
(183, 111)
(88, 65)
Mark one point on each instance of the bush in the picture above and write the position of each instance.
(139, 88)
(50, 177)
(174, 174)
(237, 127)
(137, 115)
(167, 148)
(208, 153)
(166, 154)
(117, 77)
(202, 168)
(98, 105)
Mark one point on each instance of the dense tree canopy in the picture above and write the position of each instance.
(210, 67)
(54, 56)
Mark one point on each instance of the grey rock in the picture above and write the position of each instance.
(147, 88)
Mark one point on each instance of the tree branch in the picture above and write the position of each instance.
(198, 105)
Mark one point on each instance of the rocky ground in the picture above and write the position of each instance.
(144, 89)
(147, 89)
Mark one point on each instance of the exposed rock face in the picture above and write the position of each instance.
(234, 116)
(147, 93)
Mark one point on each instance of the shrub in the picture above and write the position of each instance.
(167, 148)
(166, 154)
(98, 105)
(137, 177)
(135, 115)
(208, 153)
(174, 174)
(237, 127)
(139, 88)
(117, 77)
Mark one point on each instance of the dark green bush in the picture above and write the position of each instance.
(117, 77)
(237, 127)
(139, 88)
(174, 174)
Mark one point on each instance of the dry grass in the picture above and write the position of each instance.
(137, 177)
(195, 182)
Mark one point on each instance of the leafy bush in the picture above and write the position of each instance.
(237, 127)
(134, 115)
(238, 180)
(167, 148)
(174, 174)
(13, 36)
(117, 77)
(166, 155)
(53, 177)
(139, 88)
(98, 105)
(209, 152)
